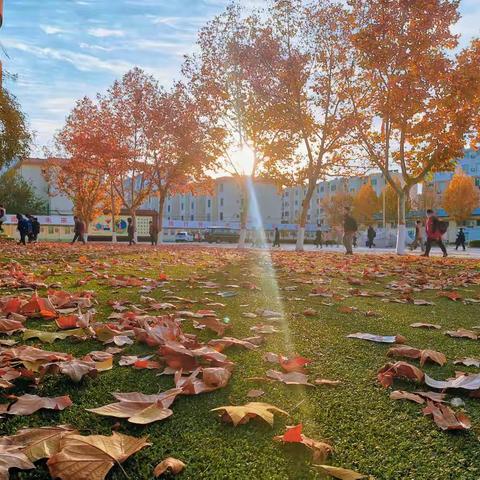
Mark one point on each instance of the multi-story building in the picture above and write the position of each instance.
(267, 206)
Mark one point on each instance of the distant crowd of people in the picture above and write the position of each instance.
(427, 233)
(28, 227)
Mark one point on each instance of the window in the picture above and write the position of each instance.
(333, 188)
(182, 206)
(191, 218)
(220, 188)
(374, 181)
(208, 217)
(193, 206)
(221, 202)
(221, 216)
(182, 218)
(168, 208)
(209, 203)
(322, 188)
(296, 203)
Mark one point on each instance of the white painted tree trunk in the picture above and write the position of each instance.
(299, 247)
(242, 241)
(134, 221)
(401, 228)
(160, 235)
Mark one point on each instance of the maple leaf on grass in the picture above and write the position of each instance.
(138, 407)
(13, 456)
(320, 450)
(422, 355)
(446, 418)
(244, 413)
(170, 464)
(28, 404)
(38, 443)
(291, 378)
(340, 473)
(91, 457)
(399, 370)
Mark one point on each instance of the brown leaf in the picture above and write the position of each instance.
(28, 404)
(244, 413)
(462, 333)
(340, 473)
(446, 418)
(38, 443)
(402, 395)
(92, 456)
(169, 464)
(291, 378)
(325, 381)
(399, 370)
(425, 325)
(468, 362)
(12, 456)
(255, 393)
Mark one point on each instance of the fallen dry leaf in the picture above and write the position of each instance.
(468, 362)
(170, 464)
(425, 325)
(244, 413)
(378, 338)
(462, 333)
(320, 450)
(291, 378)
(254, 393)
(92, 456)
(402, 395)
(340, 473)
(466, 382)
(28, 404)
(12, 456)
(326, 381)
(446, 418)
(399, 370)
(38, 443)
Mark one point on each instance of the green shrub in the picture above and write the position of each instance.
(475, 243)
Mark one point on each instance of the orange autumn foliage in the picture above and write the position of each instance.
(461, 197)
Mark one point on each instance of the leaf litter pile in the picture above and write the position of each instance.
(213, 363)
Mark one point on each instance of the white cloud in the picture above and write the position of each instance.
(81, 61)
(52, 30)
(105, 32)
(89, 46)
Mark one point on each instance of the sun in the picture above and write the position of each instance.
(243, 160)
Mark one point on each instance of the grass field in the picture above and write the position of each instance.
(370, 433)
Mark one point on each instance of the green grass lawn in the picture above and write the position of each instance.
(370, 433)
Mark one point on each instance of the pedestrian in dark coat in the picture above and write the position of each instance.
(78, 230)
(22, 227)
(276, 238)
(130, 231)
(460, 241)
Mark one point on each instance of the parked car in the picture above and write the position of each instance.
(221, 235)
(183, 237)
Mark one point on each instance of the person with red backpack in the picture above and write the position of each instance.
(435, 230)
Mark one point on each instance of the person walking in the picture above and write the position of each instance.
(418, 240)
(3, 217)
(460, 241)
(78, 230)
(130, 231)
(30, 228)
(22, 227)
(153, 232)
(276, 238)
(318, 239)
(35, 228)
(435, 230)
(371, 234)
(350, 228)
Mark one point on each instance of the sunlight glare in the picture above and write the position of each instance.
(243, 160)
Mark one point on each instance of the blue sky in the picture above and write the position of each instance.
(65, 49)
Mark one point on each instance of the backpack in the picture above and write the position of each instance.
(442, 227)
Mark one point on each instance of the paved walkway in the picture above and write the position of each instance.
(436, 252)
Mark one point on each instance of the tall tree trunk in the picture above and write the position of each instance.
(112, 206)
(303, 217)
(161, 204)
(402, 227)
(133, 214)
(242, 241)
